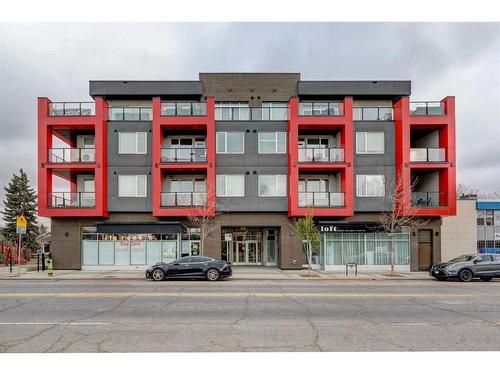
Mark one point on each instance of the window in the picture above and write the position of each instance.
(272, 142)
(227, 111)
(132, 186)
(230, 142)
(274, 111)
(132, 142)
(369, 142)
(230, 185)
(272, 185)
(489, 217)
(480, 218)
(370, 186)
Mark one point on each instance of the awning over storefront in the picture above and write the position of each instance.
(157, 228)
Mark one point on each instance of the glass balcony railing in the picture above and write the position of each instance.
(130, 114)
(427, 155)
(71, 155)
(428, 198)
(372, 113)
(321, 155)
(321, 199)
(321, 109)
(68, 199)
(183, 109)
(57, 109)
(184, 199)
(427, 109)
(251, 113)
(183, 155)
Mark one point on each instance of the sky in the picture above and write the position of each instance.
(441, 59)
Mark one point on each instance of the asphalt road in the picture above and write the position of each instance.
(231, 315)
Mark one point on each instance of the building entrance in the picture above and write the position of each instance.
(250, 245)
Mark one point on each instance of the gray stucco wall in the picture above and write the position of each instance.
(252, 164)
(375, 163)
(129, 164)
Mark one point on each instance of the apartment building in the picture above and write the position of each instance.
(122, 176)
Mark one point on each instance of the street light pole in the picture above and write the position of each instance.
(19, 257)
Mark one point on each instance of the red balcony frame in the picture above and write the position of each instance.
(46, 126)
(404, 123)
(342, 123)
(166, 123)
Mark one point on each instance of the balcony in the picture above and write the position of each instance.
(321, 155)
(183, 109)
(427, 155)
(183, 199)
(427, 109)
(372, 114)
(321, 109)
(183, 155)
(321, 199)
(71, 155)
(428, 199)
(71, 109)
(70, 199)
(130, 114)
(244, 113)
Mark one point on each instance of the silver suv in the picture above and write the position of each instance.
(467, 267)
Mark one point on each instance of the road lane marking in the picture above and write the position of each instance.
(52, 324)
(231, 294)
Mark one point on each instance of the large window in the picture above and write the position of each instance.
(370, 185)
(132, 185)
(132, 142)
(230, 142)
(272, 142)
(370, 249)
(272, 185)
(369, 142)
(230, 185)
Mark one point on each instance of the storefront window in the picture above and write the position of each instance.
(370, 249)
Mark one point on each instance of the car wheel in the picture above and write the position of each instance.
(465, 275)
(212, 274)
(441, 278)
(486, 278)
(158, 274)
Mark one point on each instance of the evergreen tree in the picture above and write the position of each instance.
(20, 198)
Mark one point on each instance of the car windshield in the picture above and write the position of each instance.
(462, 258)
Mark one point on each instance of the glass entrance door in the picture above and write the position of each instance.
(247, 252)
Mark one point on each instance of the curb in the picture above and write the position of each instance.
(232, 278)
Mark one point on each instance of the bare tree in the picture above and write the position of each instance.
(402, 213)
(308, 233)
(207, 217)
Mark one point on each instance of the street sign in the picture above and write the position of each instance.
(21, 230)
(228, 237)
(21, 222)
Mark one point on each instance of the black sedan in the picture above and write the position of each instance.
(189, 268)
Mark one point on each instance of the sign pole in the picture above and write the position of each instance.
(19, 256)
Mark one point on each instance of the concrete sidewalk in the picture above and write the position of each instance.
(239, 273)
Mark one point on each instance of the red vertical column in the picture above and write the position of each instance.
(293, 150)
(44, 143)
(402, 124)
(101, 172)
(348, 173)
(447, 140)
(156, 144)
(210, 128)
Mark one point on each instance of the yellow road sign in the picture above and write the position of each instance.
(21, 222)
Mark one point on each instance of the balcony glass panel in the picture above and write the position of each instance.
(427, 155)
(72, 109)
(321, 199)
(321, 155)
(183, 199)
(428, 198)
(427, 108)
(71, 155)
(69, 199)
